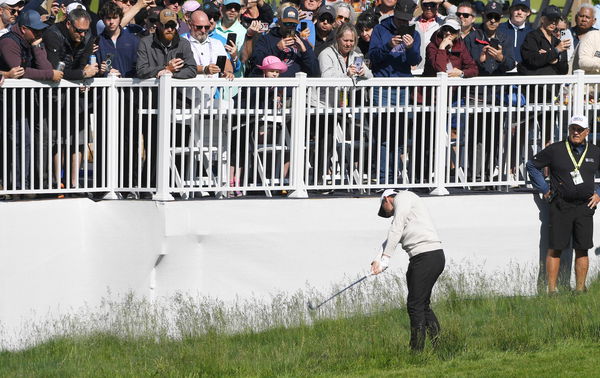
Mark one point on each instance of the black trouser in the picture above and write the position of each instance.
(423, 271)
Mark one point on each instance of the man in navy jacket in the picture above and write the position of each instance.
(517, 27)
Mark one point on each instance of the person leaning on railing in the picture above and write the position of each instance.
(22, 47)
(71, 42)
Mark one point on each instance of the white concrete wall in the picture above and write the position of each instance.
(63, 254)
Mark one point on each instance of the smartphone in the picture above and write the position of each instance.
(303, 26)
(494, 43)
(405, 29)
(308, 15)
(221, 60)
(109, 62)
(358, 62)
(264, 28)
(231, 37)
(179, 56)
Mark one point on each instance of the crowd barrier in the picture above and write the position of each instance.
(288, 135)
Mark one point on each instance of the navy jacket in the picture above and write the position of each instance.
(124, 54)
(388, 63)
(476, 41)
(510, 32)
(266, 45)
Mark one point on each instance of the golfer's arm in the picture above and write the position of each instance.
(401, 209)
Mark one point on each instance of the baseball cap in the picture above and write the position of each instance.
(228, 2)
(10, 2)
(579, 120)
(211, 10)
(386, 193)
(190, 6)
(404, 10)
(524, 3)
(552, 12)
(167, 15)
(31, 19)
(451, 22)
(492, 8)
(290, 14)
(326, 9)
(75, 5)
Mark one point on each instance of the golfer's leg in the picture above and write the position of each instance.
(582, 263)
(415, 306)
(435, 262)
(552, 266)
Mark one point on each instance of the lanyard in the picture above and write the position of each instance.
(575, 163)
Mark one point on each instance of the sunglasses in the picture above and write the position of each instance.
(80, 31)
(235, 7)
(465, 15)
(201, 27)
(429, 5)
(290, 25)
(13, 11)
(342, 18)
(494, 17)
(170, 25)
(577, 129)
(326, 18)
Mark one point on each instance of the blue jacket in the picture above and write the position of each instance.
(124, 54)
(520, 34)
(476, 41)
(388, 63)
(266, 45)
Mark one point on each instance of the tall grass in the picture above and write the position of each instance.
(363, 330)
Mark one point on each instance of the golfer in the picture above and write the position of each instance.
(412, 226)
(572, 164)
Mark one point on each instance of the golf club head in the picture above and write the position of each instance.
(311, 306)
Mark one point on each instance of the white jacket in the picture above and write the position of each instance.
(587, 56)
(412, 227)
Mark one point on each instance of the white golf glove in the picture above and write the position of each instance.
(384, 262)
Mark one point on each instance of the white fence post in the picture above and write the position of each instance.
(164, 140)
(112, 138)
(441, 116)
(579, 101)
(298, 137)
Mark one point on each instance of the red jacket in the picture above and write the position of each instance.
(436, 60)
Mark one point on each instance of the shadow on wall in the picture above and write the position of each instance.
(566, 257)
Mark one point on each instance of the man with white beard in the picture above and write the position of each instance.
(206, 50)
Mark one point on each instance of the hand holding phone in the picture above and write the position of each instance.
(221, 60)
(358, 62)
(231, 38)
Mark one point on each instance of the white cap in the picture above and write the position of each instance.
(10, 2)
(579, 120)
(71, 7)
(451, 22)
(387, 193)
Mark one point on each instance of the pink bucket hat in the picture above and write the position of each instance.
(272, 62)
(190, 6)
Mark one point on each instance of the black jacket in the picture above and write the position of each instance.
(60, 47)
(535, 63)
(477, 40)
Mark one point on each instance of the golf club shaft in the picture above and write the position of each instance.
(341, 291)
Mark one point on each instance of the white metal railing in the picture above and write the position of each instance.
(200, 136)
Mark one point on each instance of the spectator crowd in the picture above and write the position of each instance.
(71, 40)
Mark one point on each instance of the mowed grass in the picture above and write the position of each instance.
(482, 336)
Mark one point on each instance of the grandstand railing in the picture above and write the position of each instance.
(213, 136)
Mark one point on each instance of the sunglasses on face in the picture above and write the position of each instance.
(202, 27)
(290, 25)
(170, 25)
(326, 18)
(80, 31)
(494, 17)
(342, 18)
(429, 5)
(13, 11)
(235, 7)
(465, 15)
(577, 129)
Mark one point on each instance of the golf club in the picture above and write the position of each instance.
(311, 305)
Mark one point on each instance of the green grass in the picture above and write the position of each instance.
(483, 335)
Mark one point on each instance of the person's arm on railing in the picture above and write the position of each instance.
(588, 61)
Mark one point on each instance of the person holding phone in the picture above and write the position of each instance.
(207, 51)
(393, 50)
(230, 24)
(283, 42)
(490, 48)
